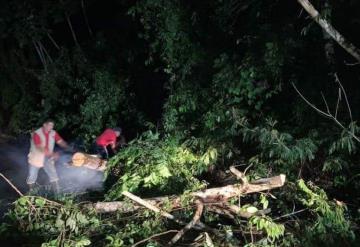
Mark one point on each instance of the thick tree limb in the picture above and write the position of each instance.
(148, 205)
(213, 198)
(214, 195)
(349, 47)
(127, 207)
(225, 193)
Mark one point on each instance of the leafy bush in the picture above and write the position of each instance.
(331, 224)
(159, 165)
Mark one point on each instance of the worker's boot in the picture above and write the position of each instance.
(55, 187)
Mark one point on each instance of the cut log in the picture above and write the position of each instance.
(89, 161)
(209, 196)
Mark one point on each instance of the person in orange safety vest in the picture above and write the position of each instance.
(42, 155)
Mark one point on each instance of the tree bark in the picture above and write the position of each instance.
(349, 47)
(225, 193)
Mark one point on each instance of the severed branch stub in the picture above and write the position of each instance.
(239, 175)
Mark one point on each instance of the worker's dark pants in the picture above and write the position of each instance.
(103, 152)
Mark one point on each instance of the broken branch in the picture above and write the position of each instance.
(191, 224)
(11, 184)
(239, 175)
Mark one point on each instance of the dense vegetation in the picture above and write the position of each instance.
(198, 86)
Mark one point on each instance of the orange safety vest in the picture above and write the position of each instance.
(36, 157)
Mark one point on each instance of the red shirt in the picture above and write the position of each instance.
(37, 139)
(106, 138)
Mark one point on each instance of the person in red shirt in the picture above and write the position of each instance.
(42, 154)
(106, 143)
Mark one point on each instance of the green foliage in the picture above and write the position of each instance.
(331, 224)
(102, 105)
(52, 222)
(158, 164)
(168, 32)
(346, 142)
(342, 151)
(273, 231)
(281, 147)
(136, 230)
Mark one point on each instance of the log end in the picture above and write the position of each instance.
(282, 179)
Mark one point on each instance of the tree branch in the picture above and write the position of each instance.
(346, 99)
(71, 29)
(349, 47)
(11, 184)
(53, 41)
(327, 115)
(191, 224)
(85, 17)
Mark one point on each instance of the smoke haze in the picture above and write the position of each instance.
(13, 164)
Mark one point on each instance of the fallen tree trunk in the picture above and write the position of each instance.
(223, 194)
(208, 196)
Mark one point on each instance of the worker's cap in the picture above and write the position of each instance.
(118, 129)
